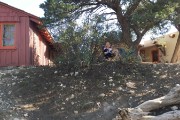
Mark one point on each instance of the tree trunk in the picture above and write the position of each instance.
(141, 112)
(126, 27)
(176, 57)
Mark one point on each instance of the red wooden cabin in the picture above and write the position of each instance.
(22, 42)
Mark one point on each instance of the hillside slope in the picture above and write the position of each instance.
(96, 93)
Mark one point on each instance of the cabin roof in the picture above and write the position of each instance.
(43, 31)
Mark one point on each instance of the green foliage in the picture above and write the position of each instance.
(71, 42)
(113, 36)
(153, 13)
(79, 45)
(128, 55)
(175, 17)
(56, 10)
(133, 17)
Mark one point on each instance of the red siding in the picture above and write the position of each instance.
(40, 50)
(9, 57)
(29, 45)
(23, 41)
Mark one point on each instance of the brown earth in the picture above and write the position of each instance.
(96, 93)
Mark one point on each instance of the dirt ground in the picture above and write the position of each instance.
(96, 93)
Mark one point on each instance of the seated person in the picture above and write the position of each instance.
(107, 50)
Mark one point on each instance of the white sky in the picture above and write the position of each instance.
(30, 6)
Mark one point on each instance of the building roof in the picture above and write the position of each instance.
(43, 31)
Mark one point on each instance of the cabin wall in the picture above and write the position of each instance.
(170, 45)
(23, 42)
(21, 53)
(168, 41)
(39, 47)
(148, 53)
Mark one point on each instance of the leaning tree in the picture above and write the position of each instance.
(175, 19)
(134, 18)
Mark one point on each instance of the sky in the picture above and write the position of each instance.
(30, 6)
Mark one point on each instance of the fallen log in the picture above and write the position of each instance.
(142, 111)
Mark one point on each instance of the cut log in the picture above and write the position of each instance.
(172, 98)
(172, 115)
(141, 112)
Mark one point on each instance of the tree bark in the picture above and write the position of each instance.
(141, 112)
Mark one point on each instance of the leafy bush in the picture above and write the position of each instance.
(129, 55)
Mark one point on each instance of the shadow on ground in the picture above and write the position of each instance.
(96, 93)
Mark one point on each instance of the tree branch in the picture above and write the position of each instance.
(132, 8)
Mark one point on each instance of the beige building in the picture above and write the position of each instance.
(160, 49)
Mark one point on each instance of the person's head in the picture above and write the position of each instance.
(108, 45)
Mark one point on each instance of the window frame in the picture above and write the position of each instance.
(2, 32)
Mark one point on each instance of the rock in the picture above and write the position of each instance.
(13, 83)
(107, 107)
(154, 65)
(71, 73)
(9, 92)
(130, 92)
(75, 112)
(130, 85)
(26, 115)
(110, 80)
(28, 76)
(98, 104)
(102, 95)
(119, 88)
(67, 99)
(76, 73)
(16, 119)
(72, 96)
(174, 108)
(66, 75)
